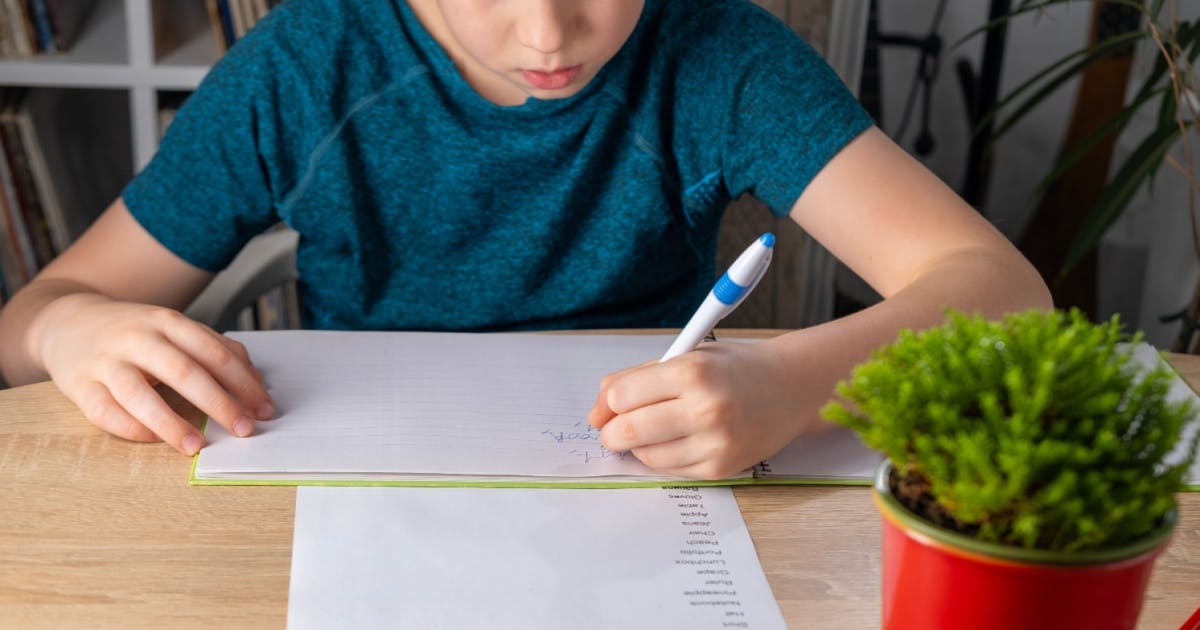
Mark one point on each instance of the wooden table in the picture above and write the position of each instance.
(99, 532)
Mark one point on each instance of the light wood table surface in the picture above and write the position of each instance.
(98, 532)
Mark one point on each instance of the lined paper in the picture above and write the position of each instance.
(427, 406)
(525, 558)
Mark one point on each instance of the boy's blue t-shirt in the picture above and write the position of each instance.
(422, 206)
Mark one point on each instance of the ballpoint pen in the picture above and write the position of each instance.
(730, 290)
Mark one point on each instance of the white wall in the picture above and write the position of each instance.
(1153, 234)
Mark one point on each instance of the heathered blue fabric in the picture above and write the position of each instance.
(423, 206)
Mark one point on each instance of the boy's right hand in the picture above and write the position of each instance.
(107, 355)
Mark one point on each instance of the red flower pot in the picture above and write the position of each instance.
(935, 578)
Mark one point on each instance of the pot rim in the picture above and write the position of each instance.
(961, 544)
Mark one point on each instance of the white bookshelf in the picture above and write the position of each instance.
(139, 47)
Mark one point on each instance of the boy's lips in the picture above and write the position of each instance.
(552, 79)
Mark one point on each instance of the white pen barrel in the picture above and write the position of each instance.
(730, 290)
(710, 312)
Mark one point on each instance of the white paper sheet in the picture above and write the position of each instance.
(500, 558)
(833, 455)
(1179, 391)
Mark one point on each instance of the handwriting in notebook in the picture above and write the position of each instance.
(576, 433)
(598, 454)
(585, 443)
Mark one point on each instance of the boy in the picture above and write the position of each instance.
(510, 164)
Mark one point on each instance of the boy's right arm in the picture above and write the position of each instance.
(103, 321)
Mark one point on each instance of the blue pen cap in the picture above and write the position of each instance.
(767, 239)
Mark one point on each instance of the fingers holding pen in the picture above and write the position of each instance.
(629, 389)
(640, 408)
(601, 411)
(671, 437)
(643, 426)
(709, 413)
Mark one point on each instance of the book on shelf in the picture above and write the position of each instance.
(20, 146)
(22, 213)
(87, 176)
(51, 185)
(40, 27)
(17, 38)
(16, 254)
(232, 19)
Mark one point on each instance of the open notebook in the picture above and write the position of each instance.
(460, 408)
(505, 409)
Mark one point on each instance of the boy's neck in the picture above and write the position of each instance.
(429, 13)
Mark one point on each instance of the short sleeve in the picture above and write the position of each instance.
(776, 110)
(206, 193)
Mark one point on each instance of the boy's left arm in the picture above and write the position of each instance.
(718, 410)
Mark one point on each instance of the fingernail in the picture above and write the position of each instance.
(192, 444)
(266, 411)
(243, 426)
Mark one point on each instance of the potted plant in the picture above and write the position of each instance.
(1028, 480)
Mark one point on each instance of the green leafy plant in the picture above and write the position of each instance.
(1037, 430)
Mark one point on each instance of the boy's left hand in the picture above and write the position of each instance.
(708, 414)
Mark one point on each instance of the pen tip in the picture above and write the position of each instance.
(768, 239)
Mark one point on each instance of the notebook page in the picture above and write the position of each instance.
(1148, 356)
(525, 558)
(835, 454)
(838, 454)
(368, 405)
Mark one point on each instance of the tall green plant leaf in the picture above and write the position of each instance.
(1054, 81)
(1118, 192)
(1113, 126)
